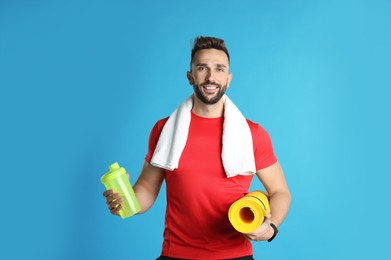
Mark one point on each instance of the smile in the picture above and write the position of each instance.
(210, 87)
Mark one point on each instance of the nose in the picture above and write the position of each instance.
(210, 75)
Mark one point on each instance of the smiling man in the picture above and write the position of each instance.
(199, 182)
(209, 75)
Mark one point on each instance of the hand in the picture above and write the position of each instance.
(113, 201)
(264, 232)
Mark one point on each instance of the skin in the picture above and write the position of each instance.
(211, 66)
(210, 77)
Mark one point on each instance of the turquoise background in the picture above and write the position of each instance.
(83, 82)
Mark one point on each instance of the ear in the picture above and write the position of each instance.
(190, 78)
(229, 78)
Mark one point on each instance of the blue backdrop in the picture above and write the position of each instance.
(83, 82)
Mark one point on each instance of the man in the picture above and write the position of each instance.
(199, 193)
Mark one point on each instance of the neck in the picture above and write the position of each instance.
(208, 111)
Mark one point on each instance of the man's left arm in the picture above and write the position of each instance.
(273, 180)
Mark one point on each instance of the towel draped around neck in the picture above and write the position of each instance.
(237, 152)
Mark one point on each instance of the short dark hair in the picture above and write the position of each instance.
(207, 42)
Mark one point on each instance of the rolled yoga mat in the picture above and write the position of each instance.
(247, 214)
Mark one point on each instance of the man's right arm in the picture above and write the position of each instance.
(148, 185)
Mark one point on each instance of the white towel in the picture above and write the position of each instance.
(237, 152)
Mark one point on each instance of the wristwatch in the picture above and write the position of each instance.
(275, 232)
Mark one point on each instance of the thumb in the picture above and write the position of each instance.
(268, 214)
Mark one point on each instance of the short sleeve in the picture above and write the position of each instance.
(154, 138)
(263, 147)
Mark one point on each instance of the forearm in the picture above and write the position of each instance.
(145, 197)
(279, 206)
(273, 180)
(148, 185)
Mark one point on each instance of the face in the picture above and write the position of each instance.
(209, 75)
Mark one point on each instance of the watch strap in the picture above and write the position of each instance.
(275, 232)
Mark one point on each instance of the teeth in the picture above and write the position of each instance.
(210, 88)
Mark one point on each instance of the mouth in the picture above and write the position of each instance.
(210, 89)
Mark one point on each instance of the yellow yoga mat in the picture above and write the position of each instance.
(247, 214)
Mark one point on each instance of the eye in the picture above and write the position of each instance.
(220, 69)
(201, 68)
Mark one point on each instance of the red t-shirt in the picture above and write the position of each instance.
(199, 194)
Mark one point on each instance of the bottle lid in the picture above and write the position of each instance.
(115, 171)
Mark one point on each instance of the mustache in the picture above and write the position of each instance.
(208, 82)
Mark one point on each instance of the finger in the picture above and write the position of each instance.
(115, 206)
(250, 236)
(267, 221)
(112, 197)
(116, 210)
(115, 203)
(107, 192)
(247, 236)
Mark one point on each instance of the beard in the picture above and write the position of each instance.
(209, 100)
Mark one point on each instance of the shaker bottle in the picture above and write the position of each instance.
(248, 213)
(117, 180)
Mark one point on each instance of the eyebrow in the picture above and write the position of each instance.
(221, 66)
(206, 65)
